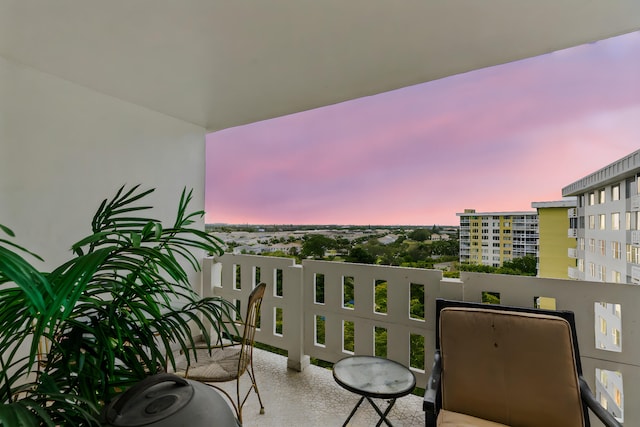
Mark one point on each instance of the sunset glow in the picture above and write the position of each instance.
(495, 139)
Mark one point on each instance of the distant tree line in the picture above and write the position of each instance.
(525, 266)
(405, 251)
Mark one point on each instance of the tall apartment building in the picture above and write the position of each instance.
(606, 222)
(556, 250)
(491, 238)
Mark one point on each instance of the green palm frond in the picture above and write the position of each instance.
(128, 296)
(108, 313)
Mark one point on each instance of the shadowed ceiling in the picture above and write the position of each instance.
(220, 64)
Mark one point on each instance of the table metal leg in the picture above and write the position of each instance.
(383, 416)
(355, 408)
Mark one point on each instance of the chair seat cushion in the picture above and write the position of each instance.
(220, 365)
(511, 367)
(455, 419)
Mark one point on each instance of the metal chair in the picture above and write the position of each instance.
(229, 362)
(504, 366)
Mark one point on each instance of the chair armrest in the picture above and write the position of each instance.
(429, 405)
(595, 406)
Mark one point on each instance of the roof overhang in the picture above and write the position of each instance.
(220, 64)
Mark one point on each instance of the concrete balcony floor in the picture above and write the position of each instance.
(313, 399)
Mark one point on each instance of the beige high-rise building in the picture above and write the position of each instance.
(491, 238)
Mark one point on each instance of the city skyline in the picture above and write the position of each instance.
(495, 139)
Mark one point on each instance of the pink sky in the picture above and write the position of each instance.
(495, 139)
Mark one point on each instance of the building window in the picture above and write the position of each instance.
(615, 192)
(616, 337)
(633, 254)
(602, 222)
(603, 401)
(592, 269)
(603, 326)
(592, 199)
(627, 220)
(581, 265)
(592, 222)
(602, 245)
(601, 199)
(616, 250)
(615, 221)
(602, 273)
(581, 243)
(592, 245)
(615, 276)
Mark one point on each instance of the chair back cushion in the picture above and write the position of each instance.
(509, 367)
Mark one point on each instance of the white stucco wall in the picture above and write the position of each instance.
(64, 148)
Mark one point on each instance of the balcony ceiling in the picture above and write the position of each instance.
(224, 63)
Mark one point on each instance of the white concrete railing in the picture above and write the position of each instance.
(293, 298)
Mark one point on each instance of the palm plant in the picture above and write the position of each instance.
(27, 313)
(110, 313)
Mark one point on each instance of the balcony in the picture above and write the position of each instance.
(572, 253)
(312, 398)
(311, 306)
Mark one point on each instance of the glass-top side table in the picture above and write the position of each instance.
(374, 377)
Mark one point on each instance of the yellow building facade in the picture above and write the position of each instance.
(555, 246)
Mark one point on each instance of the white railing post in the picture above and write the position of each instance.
(210, 277)
(293, 318)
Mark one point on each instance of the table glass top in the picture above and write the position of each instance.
(374, 376)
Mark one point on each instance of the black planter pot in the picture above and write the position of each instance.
(166, 400)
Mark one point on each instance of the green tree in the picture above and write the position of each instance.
(419, 252)
(445, 247)
(360, 255)
(527, 265)
(315, 245)
(419, 235)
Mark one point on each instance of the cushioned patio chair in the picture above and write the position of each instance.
(506, 366)
(229, 362)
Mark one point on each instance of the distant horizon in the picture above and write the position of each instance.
(243, 224)
(494, 139)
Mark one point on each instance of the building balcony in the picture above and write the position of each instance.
(311, 307)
